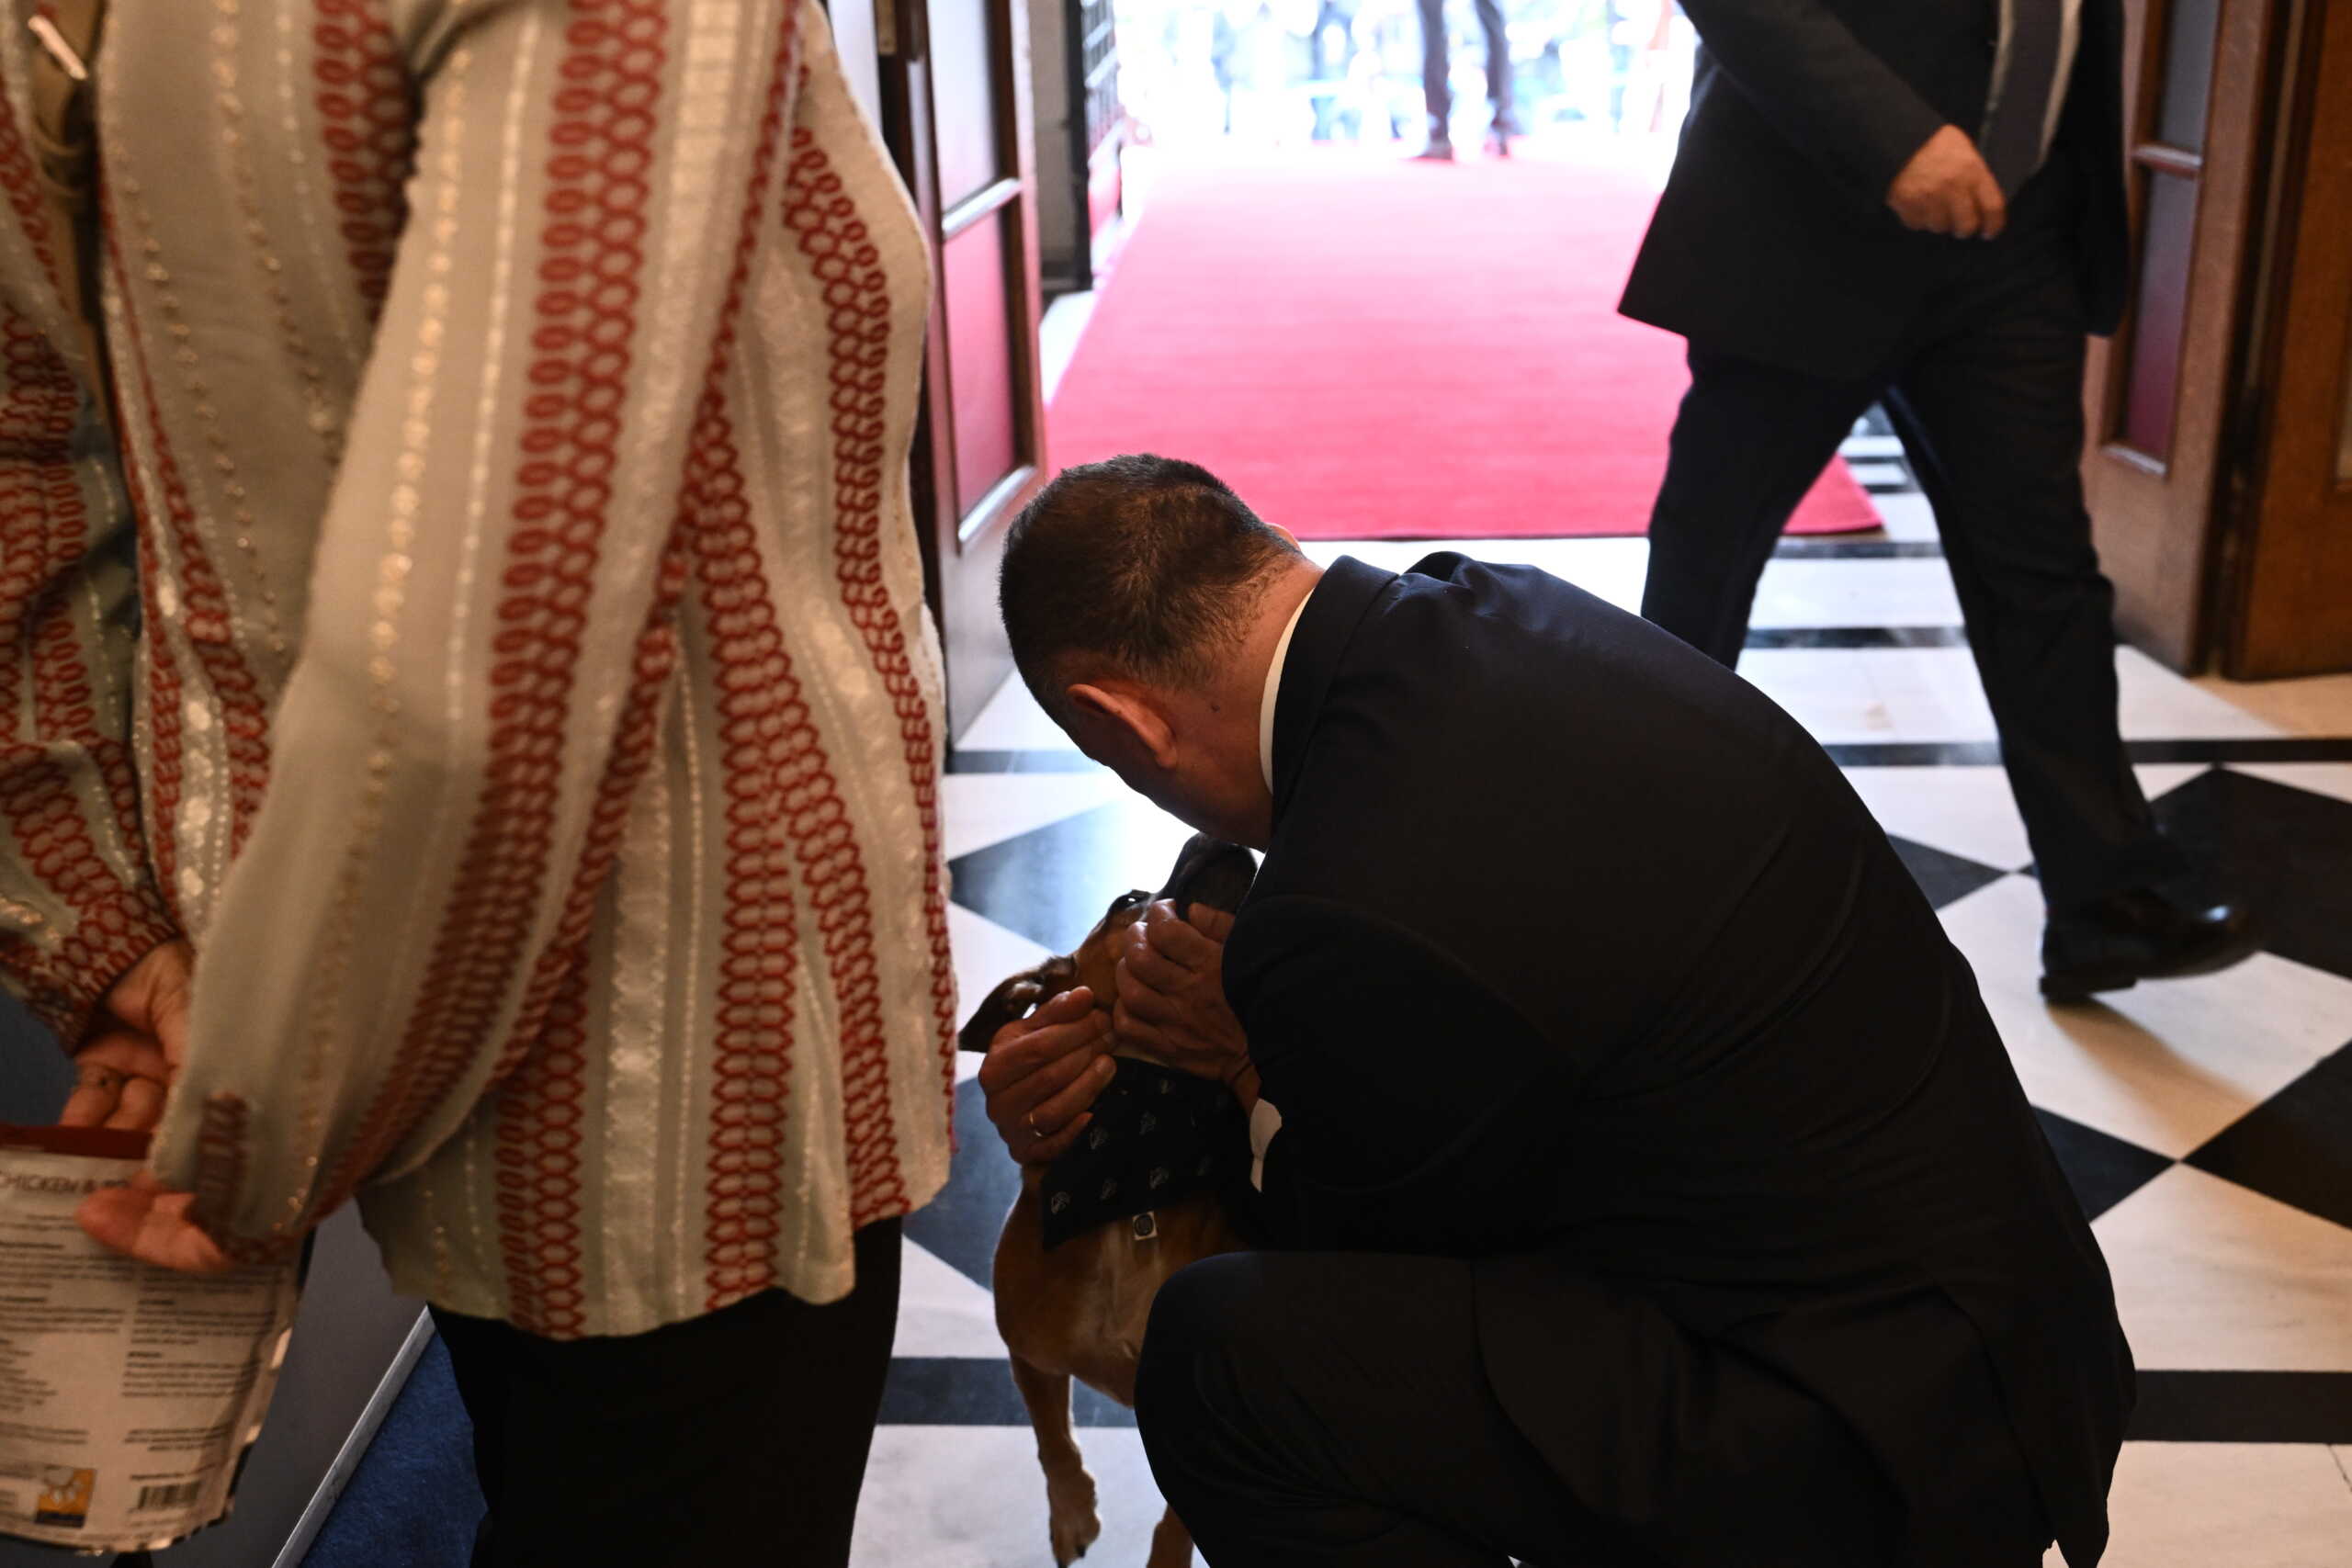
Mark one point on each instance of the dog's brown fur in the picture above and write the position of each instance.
(1079, 1311)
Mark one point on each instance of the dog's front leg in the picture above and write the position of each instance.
(1070, 1491)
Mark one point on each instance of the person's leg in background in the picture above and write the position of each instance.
(740, 1436)
(1749, 441)
(1437, 90)
(1990, 412)
(1503, 126)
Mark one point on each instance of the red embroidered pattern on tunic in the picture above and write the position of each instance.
(44, 535)
(769, 746)
(364, 119)
(220, 1161)
(834, 235)
(205, 620)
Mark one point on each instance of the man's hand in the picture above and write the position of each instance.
(1042, 1074)
(1946, 189)
(1171, 992)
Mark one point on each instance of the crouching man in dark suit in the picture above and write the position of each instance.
(1653, 1186)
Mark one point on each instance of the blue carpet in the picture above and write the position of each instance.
(412, 1502)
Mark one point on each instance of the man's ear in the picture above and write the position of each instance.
(1117, 719)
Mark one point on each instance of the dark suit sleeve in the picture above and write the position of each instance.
(1420, 1111)
(1810, 76)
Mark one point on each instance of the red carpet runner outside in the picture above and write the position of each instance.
(1367, 348)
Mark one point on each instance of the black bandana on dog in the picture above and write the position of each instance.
(1157, 1135)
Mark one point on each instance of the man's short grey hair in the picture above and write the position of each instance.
(1141, 566)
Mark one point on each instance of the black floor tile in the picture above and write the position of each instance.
(964, 1390)
(1944, 878)
(2103, 1170)
(2288, 852)
(1053, 884)
(960, 1225)
(2296, 1147)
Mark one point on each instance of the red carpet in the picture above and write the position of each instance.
(1367, 348)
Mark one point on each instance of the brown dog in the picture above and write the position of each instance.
(1078, 1309)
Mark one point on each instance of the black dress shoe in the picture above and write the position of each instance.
(2141, 933)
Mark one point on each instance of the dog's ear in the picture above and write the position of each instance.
(1012, 999)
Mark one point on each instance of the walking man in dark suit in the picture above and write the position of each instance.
(1653, 1185)
(1437, 78)
(1921, 201)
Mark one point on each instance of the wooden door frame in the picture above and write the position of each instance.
(957, 547)
(2166, 576)
(2298, 385)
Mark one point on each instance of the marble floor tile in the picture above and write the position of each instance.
(1906, 516)
(2227, 1506)
(2330, 779)
(942, 1311)
(1058, 337)
(973, 1497)
(2211, 1276)
(1880, 473)
(1012, 721)
(2165, 1065)
(2318, 704)
(1970, 811)
(980, 809)
(1855, 593)
(1933, 694)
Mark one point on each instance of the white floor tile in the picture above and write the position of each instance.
(1861, 448)
(980, 809)
(2227, 1506)
(985, 953)
(2319, 704)
(1933, 694)
(1906, 516)
(2165, 1065)
(1879, 473)
(1058, 337)
(940, 1312)
(1012, 721)
(2211, 1277)
(2320, 778)
(973, 1497)
(1967, 812)
(1802, 592)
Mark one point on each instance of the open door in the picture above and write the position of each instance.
(2159, 394)
(956, 111)
(2288, 605)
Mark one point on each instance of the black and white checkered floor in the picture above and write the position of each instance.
(2207, 1123)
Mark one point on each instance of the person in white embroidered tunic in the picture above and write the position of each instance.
(522, 713)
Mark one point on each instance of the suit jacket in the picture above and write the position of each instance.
(1573, 955)
(1773, 240)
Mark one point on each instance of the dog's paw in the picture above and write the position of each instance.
(1072, 1520)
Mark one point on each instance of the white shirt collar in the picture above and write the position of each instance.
(1273, 689)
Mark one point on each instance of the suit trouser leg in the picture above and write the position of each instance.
(1490, 22)
(740, 1436)
(1749, 441)
(1437, 61)
(1304, 1409)
(1990, 412)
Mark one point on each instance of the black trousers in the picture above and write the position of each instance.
(739, 1437)
(1310, 1409)
(1985, 392)
(1436, 65)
